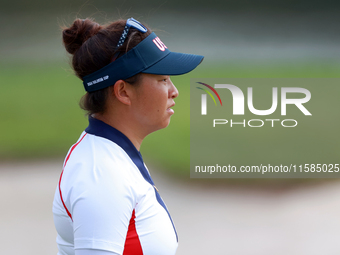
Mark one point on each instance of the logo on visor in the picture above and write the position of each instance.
(159, 44)
(98, 80)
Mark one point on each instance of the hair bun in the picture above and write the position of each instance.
(78, 33)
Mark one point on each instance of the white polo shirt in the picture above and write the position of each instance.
(106, 199)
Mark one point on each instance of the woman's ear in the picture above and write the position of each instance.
(122, 92)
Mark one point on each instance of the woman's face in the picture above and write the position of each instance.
(152, 100)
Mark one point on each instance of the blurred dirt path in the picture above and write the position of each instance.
(209, 219)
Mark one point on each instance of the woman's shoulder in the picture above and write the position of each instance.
(96, 156)
(90, 147)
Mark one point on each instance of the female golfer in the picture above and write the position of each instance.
(106, 202)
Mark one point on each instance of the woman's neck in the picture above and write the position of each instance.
(123, 125)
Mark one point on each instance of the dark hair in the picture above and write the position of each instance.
(93, 47)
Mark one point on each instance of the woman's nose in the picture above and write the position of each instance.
(173, 91)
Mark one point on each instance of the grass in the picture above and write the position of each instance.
(40, 116)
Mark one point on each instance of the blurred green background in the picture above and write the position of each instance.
(40, 116)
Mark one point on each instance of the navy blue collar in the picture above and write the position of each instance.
(99, 128)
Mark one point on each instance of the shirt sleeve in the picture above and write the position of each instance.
(94, 252)
(101, 209)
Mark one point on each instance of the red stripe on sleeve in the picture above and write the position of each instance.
(132, 244)
(61, 175)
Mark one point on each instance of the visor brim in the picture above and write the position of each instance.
(175, 63)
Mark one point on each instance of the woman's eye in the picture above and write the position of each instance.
(164, 79)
